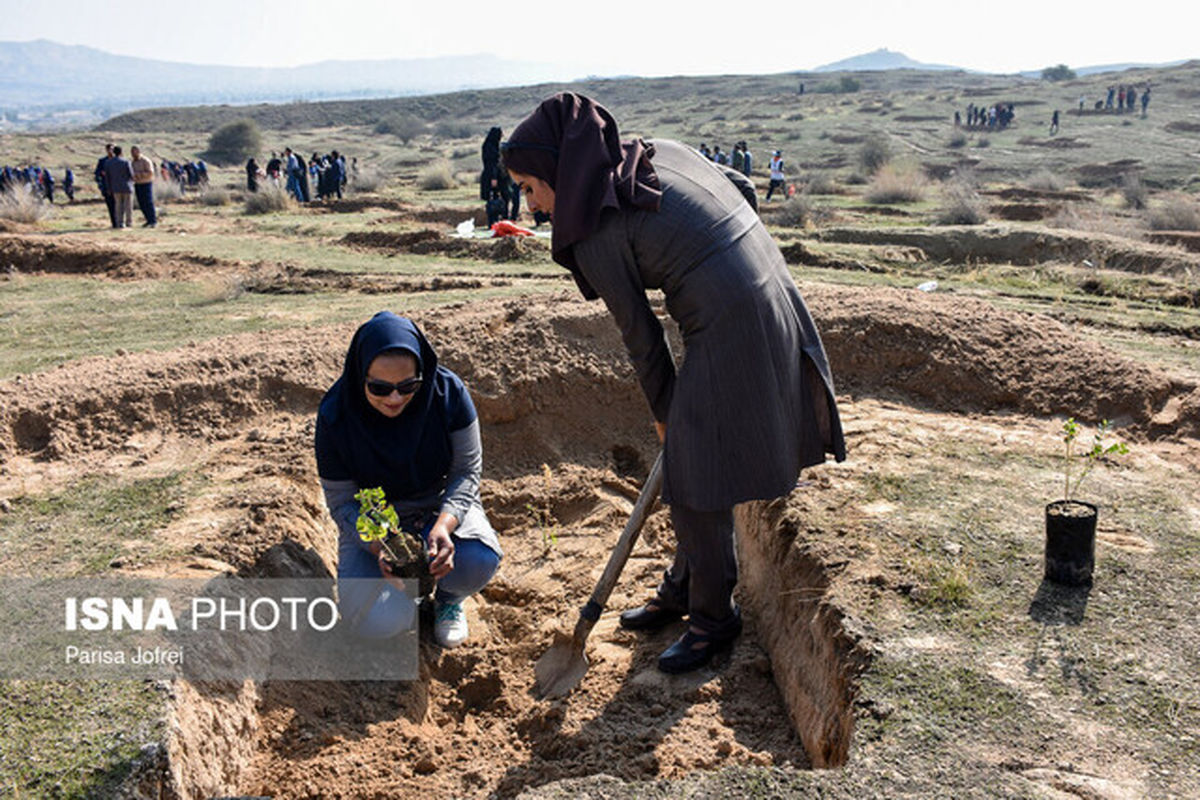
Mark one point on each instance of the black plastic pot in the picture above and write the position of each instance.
(1070, 542)
(415, 566)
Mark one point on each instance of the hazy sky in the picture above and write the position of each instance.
(620, 38)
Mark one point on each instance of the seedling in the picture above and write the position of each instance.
(378, 522)
(543, 516)
(1099, 450)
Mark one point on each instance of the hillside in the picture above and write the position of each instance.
(820, 131)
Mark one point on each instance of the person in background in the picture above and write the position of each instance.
(252, 173)
(143, 185)
(776, 173)
(69, 184)
(118, 174)
(101, 176)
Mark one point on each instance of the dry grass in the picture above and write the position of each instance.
(1134, 192)
(1177, 212)
(963, 206)
(269, 198)
(875, 152)
(18, 205)
(896, 185)
(1045, 181)
(211, 196)
(367, 179)
(795, 212)
(436, 176)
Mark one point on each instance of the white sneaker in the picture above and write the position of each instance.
(450, 624)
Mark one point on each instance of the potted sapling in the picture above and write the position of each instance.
(403, 551)
(1070, 522)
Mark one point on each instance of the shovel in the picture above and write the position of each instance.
(562, 667)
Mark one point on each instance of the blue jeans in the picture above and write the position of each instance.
(145, 200)
(379, 610)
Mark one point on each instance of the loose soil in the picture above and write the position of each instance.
(429, 241)
(567, 441)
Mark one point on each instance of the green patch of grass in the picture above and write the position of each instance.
(81, 530)
(74, 740)
(159, 315)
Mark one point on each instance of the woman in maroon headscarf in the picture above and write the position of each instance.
(752, 403)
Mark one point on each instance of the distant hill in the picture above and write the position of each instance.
(878, 60)
(42, 79)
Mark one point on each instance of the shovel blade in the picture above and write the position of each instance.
(561, 668)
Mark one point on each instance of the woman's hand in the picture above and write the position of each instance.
(441, 550)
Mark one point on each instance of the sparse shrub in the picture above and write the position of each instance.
(848, 84)
(212, 196)
(166, 191)
(963, 205)
(822, 183)
(1175, 213)
(670, 119)
(368, 179)
(983, 142)
(795, 212)
(1045, 181)
(234, 143)
(435, 177)
(404, 127)
(855, 179)
(18, 205)
(895, 185)
(449, 129)
(957, 140)
(875, 152)
(1060, 72)
(268, 199)
(1134, 191)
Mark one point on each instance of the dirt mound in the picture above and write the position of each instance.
(433, 242)
(1110, 174)
(1189, 240)
(286, 279)
(1182, 126)
(957, 353)
(67, 256)
(356, 205)
(947, 353)
(1020, 193)
(1023, 246)
(1057, 143)
(1023, 212)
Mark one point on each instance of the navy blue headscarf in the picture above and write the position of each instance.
(408, 455)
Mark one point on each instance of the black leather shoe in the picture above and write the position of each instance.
(649, 617)
(694, 650)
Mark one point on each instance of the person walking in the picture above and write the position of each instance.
(1054, 122)
(776, 169)
(69, 185)
(143, 186)
(752, 403)
(118, 174)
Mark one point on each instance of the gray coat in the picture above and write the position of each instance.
(753, 402)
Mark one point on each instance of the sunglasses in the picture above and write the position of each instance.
(383, 388)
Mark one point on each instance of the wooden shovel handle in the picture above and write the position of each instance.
(620, 554)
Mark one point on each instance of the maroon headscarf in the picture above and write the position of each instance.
(572, 143)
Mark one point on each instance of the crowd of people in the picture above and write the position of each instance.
(1119, 99)
(994, 117)
(326, 174)
(36, 182)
